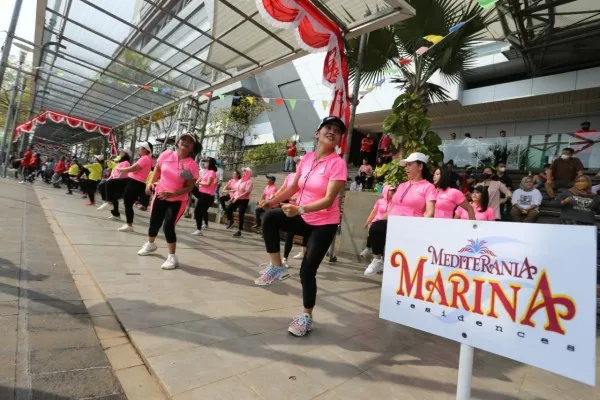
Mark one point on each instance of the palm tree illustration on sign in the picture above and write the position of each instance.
(477, 247)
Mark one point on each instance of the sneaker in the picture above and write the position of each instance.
(22, 182)
(270, 275)
(146, 249)
(197, 232)
(89, 203)
(366, 252)
(237, 234)
(374, 268)
(205, 226)
(104, 206)
(229, 225)
(115, 217)
(69, 192)
(285, 263)
(301, 325)
(125, 228)
(299, 256)
(170, 263)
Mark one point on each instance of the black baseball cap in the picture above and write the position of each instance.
(271, 177)
(333, 121)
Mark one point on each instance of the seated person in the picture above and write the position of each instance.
(539, 180)
(563, 171)
(480, 204)
(579, 204)
(387, 154)
(365, 175)
(380, 170)
(525, 202)
(268, 194)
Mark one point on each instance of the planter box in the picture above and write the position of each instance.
(357, 207)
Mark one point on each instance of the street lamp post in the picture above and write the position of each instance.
(9, 38)
(9, 111)
(14, 124)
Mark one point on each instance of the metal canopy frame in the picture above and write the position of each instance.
(552, 35)
(127, 60)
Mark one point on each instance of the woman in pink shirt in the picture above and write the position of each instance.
(229, 190)
(205, 193)
(135, 184)
(480, 205)
(413, 198)
(268, 193)
(112, 188)
(379, 212)
(176, 173)
(494, 189)
(448, 198)
(320, 178)
(239, 200)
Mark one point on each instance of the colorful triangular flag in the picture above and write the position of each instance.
(59, 73)
(222, 96)
(404, 61)
(208, 95)
(146, 87)
(267, 100)
(164, 90)
(421, 50)
(456, 27)
(312, 102)
(292, 103)
(487, 3)
(155, 89)
(325, 104)
(279, 101)
(250, 99)
(435, 39)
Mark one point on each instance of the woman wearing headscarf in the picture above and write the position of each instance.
(579, 204)
(525, 202)
(320, 177)
(413, 198)
(240, 200)
(480, 204)
(112, 188)
(205, 193)
(174, 177)
(379, 212)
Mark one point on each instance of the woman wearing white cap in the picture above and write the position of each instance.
(173, 179)
(239, 200)
(89, 185)
(135, 185)
(111, 189)
(413, 198)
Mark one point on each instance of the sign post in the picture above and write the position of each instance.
(522, 291)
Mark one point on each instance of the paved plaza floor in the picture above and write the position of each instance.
(207, 332)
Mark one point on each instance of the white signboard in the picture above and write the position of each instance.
(522, 291)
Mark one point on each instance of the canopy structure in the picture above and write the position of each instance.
(110, 62)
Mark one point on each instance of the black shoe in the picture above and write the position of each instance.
(229, 225)
(69, 192)
(237, 234)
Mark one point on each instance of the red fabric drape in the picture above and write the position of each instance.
(315, 32)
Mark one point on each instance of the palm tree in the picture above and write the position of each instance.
(452, 57)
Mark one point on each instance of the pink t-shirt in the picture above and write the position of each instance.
(314, 179)
(381, 208)
(171, 168)
(232, 184)
(116, 174)
(447, 201)
(269, 191)
(243, 187)
(488, 215)
(367, 169)
(410, 199)
(145, 162)
(209, 173)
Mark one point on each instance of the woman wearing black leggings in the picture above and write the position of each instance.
(177, 172)
(205, 193)
(135, 184)
(240, 200)
(320, 177)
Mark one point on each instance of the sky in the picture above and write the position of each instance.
(26, 25)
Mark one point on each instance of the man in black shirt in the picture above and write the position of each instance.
(501, 175)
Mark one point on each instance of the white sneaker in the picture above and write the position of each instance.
(197, 232)
(22, 182)
(285, 263)
(125, 228)
(114, 218)
(299, 256)
(205, 226)
(375, 267)
(146, 249)
(366, 252)
(170, 263)
(104, 206)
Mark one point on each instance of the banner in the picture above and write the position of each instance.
(522, 291)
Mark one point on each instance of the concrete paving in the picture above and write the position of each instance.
(48, 346)
(206, 332)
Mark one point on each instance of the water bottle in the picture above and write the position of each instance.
(353, 187)
(360, 187)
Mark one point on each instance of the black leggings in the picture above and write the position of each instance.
(223, 200)
(133, 190)
(289, 243)
(89, 187)
(204, 202)
(241, 206)
(319, 239)
(164, 213)
(377, 235)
